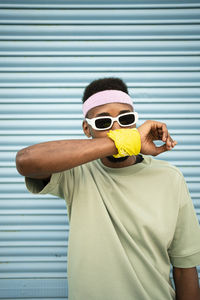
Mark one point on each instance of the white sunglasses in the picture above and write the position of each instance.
(106, 122)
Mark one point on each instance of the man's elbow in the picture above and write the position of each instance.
(22, 162)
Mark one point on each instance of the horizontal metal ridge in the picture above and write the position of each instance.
(27, 218)
(45, 236)
(33, 259)
(36, 261)
(39, 212)
(101, 32)
(83, 22)
(23, 202)
(103, 4)
(108, 52)
(28, 243)
(99, 16)
(74, 95)
(149, 63)
(79, 79)
(30, 298)
(107, 47)
(35, 244)
(48, 274)
(196, 202)
(30, 228)
(97, 68)
(21, 196)
(72, 117)
(33, 251)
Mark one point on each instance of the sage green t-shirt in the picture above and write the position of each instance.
(126, 226)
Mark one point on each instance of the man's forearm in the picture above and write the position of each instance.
(57, 156)
(186, 283)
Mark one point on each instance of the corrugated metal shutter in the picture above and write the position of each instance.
(49, 51)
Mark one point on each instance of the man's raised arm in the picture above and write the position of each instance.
(42, 160)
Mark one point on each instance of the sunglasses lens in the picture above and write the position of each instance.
(103, 123)
(127, 119)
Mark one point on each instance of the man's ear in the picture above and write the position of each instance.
(86, 128)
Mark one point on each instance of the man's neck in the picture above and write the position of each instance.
(131, 160)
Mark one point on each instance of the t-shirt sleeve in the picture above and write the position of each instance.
(184, 250)
(60, 185)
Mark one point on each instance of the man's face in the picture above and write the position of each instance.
(111, 109)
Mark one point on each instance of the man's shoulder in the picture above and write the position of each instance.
(164, 165)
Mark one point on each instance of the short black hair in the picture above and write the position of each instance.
(102, 84)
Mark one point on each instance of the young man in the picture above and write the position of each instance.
(130, 215)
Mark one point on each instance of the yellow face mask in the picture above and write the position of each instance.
(127, 141)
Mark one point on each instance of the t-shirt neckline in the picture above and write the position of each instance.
(126, 170)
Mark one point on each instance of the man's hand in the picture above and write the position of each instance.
(152, 131)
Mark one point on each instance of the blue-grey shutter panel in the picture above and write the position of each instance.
(49, 51)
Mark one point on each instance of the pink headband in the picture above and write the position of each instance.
(105, 97)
